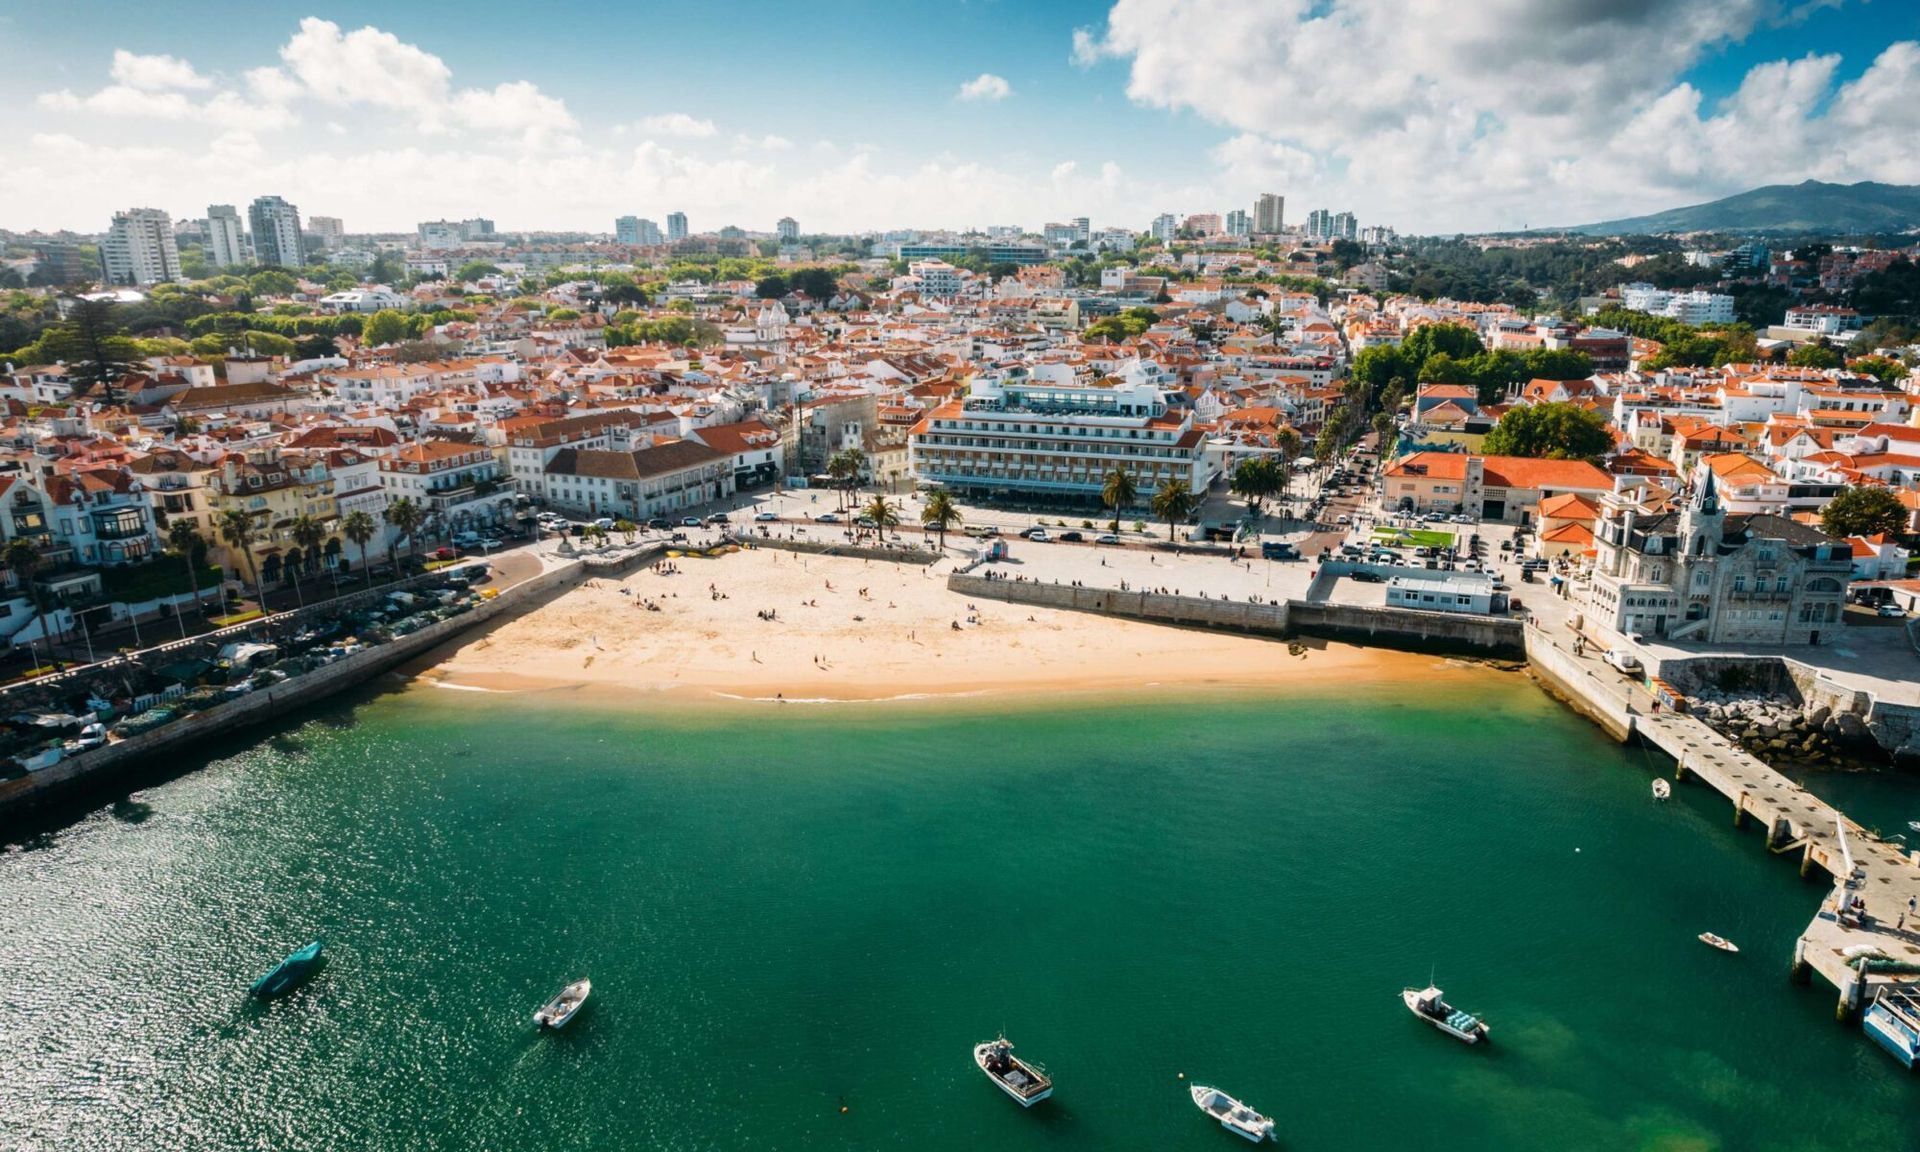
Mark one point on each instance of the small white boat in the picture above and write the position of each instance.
(1430, 1004)
(556, 1012)
(1661, 789)
(1234, 1116)
(1026, 1083)
(1914, 824)
(1720, 942)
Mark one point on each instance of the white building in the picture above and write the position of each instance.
(331, 231)
(937, 278)
(439, 235)
(276, 233)
(787, 229)
(1269, 214)
(1694, 307)
(226, 238)
(1239, 223)
(1450, 592)
(676, 226)
(362, 300)
(139, 248)
(1165, 227)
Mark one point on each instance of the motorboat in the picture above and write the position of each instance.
(1234, 1116)
(1893, 1020)
(1720, 942)
(1662, 789)
(565, 1006)
(289, 973)
(1430, 1004)
(1027, 1083)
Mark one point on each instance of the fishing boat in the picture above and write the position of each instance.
(1893, 1020)
(1430, 1004)
(556, 1012)
(1720, 942)
(1662, 789)
(1025, 1082)
(289, 973)
(1234, 1116)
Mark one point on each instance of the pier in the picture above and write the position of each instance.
(1883, 876)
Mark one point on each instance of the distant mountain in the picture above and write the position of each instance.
(1808, 207)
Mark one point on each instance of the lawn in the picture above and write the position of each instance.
(1413, 537)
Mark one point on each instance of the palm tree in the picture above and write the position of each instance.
(853, 463)
(884, 514)
(183, 537)
(627, 529)
(1173, 502)
(1256, 478)
(22, 559)
(359, 528)
(308, 534)
(406, 518)
(941, 513)
(1117, 493)
(236, 528)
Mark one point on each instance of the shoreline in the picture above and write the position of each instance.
(741, 631)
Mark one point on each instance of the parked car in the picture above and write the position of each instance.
(1039, 535)
(1891, 611)
(1623, 659)
(827, 518)
(659, 523)
(1343, 520)
(1072, 537)
(1106, 538)
(1365, 577)
(718, 518)
(765, 516)
(689, 521)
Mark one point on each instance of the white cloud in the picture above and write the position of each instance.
(1087, 48)
(155, 73)
(676, 124)
(366, 66)
(120, 100)
(985, 86)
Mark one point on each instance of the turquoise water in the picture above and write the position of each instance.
(789, 911)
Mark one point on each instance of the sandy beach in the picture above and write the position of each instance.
(843, 629)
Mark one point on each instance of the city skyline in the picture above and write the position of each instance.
(388, 118)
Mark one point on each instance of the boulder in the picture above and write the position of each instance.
(1820, 715)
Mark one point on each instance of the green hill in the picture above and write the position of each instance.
(1808, 207)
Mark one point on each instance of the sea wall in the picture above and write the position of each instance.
(149, 749)
(1895, 727)
(1573, 682)
(903, 555)
(1358, 623)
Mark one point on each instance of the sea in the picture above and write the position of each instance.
(798, 921)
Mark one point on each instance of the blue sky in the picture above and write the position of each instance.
(1424, 114)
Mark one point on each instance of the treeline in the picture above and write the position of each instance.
(1682, 345)
(1386, 376)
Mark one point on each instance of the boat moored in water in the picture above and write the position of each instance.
(1027, 1083)
(289, 973)
(556, 1012)
(1234, 1116)
(1893, 1020)
(1662, 789)
(1430, 1004)
(1720, 942)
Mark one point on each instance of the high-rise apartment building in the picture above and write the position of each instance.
(1165, 227)
(1269, 214)
(676, 226)
(329, 230)
(1319, 224)
(139, 248)
(478, 228)
(1082, 229)
(226, 238)
(276, 233)
(1239, 223)
(439, 235)
(1059, 235)
(1202, 224)
(59, 262)
(1343, 226)
(626, 230)
(787, 229)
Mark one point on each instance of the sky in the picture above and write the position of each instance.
(1432, 116)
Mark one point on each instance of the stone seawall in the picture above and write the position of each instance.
(1570, 681)
(1895, 727)
(151, 749)
(858, 552)
(1361, 624)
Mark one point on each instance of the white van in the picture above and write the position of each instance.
(1623, 659)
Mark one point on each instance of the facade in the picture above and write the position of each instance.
(226, 238)
(1165, 227)
(276, 233)
(994, 253)
(787, 229)
(752, 448)
(331, 231)
(1045, 433)
(139, 248)
(440, 235)
(636, 484)
(1443, 592)
(1239, 223)
(1269, 214)
(272, 488)
(1320, 224)
(937, 278)
(459, 483)
(1505, 488)
(626, 230)
(1710, 576)
(676, 226)
(1694, 307)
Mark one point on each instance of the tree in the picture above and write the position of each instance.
(184, 539)
(884, 514)
(315, 347)
(1255, 479)
(1882, 368)
(1552, 431)
(1864, 511)
(474, 270)
(384, 327)
(627, 529)
(22, 559)
(940, 513)
(818, 283)
(1173, 502)
(271, 282)
(96, 351)
(1815, 356)
(359, 528)
(771, 287)
(1118, 492)
(1383, 428)
(236, 528)
(625, 295)
(845, 467)
(309, 534)
(406, 518)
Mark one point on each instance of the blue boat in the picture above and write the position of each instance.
(1894, 1021)
(289, 973)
